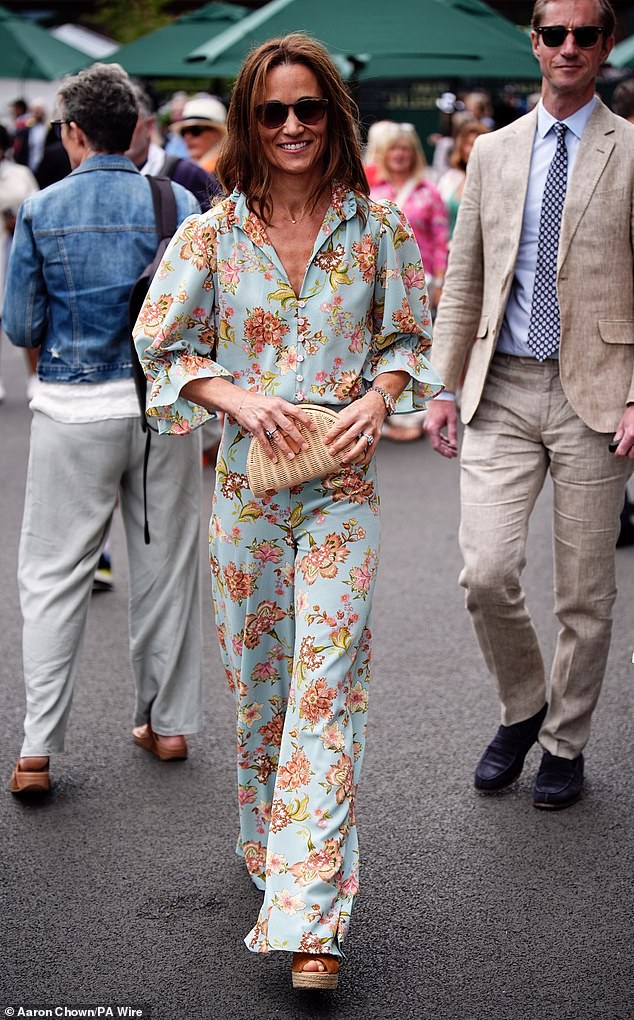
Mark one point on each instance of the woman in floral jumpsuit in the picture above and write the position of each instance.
(297, 288)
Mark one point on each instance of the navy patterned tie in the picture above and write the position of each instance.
(543, 328)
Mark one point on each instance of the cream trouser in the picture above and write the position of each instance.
(523, 428)
(75, 474)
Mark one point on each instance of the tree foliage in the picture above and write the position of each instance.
(127, 20)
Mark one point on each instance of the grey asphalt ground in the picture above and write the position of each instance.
(123, 886)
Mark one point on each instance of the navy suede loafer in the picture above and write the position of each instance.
(559, 781)
(503, 760)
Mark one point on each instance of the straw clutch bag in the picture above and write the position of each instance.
(316, 462)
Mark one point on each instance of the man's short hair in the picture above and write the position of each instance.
(101, 101)
(623, 99)
(606, 15)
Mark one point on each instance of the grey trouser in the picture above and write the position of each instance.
(75, 475)
(524, 428)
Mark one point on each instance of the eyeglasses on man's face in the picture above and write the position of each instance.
(585, 36)
(308, 111)
(57, 126)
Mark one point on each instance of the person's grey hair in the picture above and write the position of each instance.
(623, 99)
(101, 101)
(606, 15)
(144, 103)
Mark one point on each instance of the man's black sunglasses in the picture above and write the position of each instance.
(307, 111)
(585, 36)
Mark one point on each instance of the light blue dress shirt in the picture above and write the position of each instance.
(514, 331)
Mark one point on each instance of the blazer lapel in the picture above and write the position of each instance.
(513, 182)
(595, 147)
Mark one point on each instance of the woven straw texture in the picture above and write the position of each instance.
(315, 462)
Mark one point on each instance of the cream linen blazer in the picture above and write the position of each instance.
(595, 267)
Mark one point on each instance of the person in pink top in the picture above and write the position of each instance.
(401, 167)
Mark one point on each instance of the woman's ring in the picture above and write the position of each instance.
(269, 433)
(369, 439)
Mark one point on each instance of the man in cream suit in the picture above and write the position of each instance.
(539, 306)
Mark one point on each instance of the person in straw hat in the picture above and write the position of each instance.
(203, 130)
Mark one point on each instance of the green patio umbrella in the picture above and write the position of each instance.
(623, 53)
(372, 39)
(161, 54)
(29, 51)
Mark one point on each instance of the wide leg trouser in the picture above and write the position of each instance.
(293, 579)
(525, 427)
(75, 475)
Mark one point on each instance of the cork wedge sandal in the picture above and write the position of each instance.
(150, 741)
(28, 782)
(316, 979)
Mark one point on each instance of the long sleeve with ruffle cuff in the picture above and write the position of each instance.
(401, 333)
(175, 334)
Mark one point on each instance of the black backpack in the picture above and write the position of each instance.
(166, 219)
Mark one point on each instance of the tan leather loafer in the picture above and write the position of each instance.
(31, 781)
(318, 979)
(151, 741)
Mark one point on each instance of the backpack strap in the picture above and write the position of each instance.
(166, 221)
(169, 166)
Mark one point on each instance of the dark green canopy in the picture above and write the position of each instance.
(623, 53)
(161, 54)
(374, 39)
(29, 51)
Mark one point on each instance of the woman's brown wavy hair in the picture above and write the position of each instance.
(241, 162)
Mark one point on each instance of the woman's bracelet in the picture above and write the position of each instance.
(388, 399)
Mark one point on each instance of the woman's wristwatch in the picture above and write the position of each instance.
(388, 399)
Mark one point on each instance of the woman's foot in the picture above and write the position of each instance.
(167, 748)
(311, 970)
(30, 775)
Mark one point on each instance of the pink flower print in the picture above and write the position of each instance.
(310, 944)
(262, 328)
(279, 816)
(322, 560)
(295, 773)
(358, 698)
(284, 900)
(332, 737)
(276, 864)
(261, 622)
(316, 703)
(246, 795)
(264, 671)
(320, 865)
(248, 714)
(255, 857)
(271, 732)
(340, 778)
(414, 277)
(268, 552)
(307, 654)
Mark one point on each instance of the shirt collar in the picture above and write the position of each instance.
(343, 206)
(575, 123)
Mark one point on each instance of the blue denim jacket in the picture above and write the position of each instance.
(79, 245)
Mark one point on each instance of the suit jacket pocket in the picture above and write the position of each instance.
(616, 331)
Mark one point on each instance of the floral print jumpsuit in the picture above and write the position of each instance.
(292, 574)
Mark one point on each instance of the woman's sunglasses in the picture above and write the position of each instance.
(307, 111)
(194, 130)
(585, 36)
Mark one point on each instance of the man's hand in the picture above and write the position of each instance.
(624, 434)
(441, 414)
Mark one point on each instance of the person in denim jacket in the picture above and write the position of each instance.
(79, 246)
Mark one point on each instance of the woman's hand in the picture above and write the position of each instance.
(358, 430)
(273, 421)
